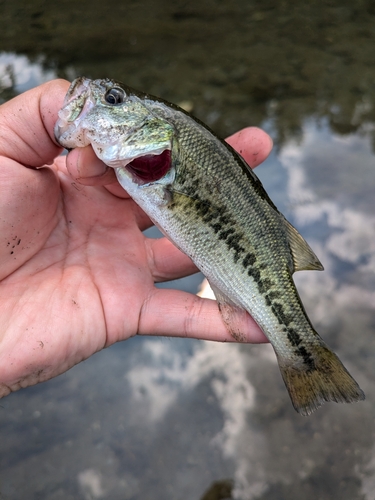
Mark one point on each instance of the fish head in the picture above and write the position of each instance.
(123, 132)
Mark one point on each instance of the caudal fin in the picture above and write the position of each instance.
(324, 380)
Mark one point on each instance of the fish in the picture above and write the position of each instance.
(206, 199)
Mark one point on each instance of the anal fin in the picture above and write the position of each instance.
(234, 317)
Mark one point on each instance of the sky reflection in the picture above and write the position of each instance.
(152, 417)
(20, 74)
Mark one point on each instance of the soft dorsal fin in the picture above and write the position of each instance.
(303, 257)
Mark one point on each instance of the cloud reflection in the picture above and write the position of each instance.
(344, 237)
(170, 373)
(19, 73)
(350, 238)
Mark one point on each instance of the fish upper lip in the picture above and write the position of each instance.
(78, 86)
(76, 104)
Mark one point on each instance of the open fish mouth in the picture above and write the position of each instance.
(150, 167)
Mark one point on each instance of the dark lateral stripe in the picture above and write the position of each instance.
(307, 357)
(254, 273)
(293, 337)
(273, 294)
(278, 310)
(223, 235)
(249, 260)
(296, 340)
(216, 227)
(264, 285)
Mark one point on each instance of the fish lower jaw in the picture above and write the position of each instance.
(70, 139)
(69, 132)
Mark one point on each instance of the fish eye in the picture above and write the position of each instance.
(114, 96)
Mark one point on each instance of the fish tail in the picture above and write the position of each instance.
(324, 378)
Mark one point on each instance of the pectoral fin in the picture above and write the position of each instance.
(303, 257)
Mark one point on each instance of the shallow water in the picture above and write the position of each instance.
(154, 418)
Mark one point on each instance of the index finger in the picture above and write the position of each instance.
(174, 313)
(252, 143)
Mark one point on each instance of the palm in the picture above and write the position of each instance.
(85, 283)
(76, 272)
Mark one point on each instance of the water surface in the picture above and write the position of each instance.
(154, 418)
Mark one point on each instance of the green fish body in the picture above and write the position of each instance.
(210, 204)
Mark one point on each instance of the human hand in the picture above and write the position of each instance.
(76, 272)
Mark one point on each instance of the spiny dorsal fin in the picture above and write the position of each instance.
(303, 257)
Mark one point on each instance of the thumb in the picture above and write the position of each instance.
(27, 122)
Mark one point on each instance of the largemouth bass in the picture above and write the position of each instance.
(210, 204)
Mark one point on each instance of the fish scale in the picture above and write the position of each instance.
(211, 205)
